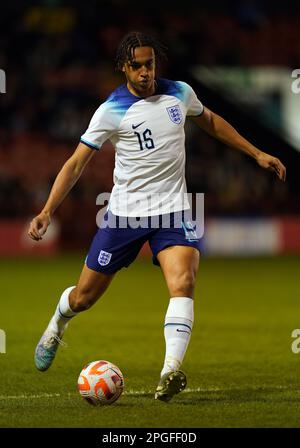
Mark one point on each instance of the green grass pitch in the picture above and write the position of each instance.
(240, 367)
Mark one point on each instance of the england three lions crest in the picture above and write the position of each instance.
(104, 258)
(175, 114)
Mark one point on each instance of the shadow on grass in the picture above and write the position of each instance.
(265, 394)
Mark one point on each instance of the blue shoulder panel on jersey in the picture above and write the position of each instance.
(173, 88)
(120, 100)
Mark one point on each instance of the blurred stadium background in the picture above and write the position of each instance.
(239, 56)
(58, 57)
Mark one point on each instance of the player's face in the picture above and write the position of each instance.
(140, 72)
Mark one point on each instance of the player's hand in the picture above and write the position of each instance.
(39, 226)
(272, 164)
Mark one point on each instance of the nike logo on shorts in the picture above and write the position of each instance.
(134, 126)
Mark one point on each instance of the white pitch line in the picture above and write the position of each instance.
(22, 396)
(140, 392)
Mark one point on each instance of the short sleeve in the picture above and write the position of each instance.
(102, 126)
(193, 104)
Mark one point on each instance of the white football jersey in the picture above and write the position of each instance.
(149, 139)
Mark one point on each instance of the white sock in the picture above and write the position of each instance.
(178, 328)
(63, 313)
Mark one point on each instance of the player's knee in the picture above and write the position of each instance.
(82, 300)
(182, 284)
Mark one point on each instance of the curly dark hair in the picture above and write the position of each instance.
(136, 39)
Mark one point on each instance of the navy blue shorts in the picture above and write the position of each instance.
(116, 246)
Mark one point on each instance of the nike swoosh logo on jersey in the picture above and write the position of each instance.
(183, 331)
(137, 125)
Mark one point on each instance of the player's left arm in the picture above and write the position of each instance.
(219, 128)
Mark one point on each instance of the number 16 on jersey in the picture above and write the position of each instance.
(145, 141)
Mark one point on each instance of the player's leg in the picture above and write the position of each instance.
(90, 287)
(112, 249)
(179, 265)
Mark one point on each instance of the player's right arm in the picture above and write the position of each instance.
(65, 180)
